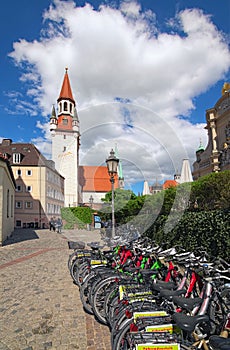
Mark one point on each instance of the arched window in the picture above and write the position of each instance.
(65, 106)
(71, 108)
(60, 107)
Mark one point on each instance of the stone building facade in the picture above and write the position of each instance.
(39, 193)
(7, 192)
(216, 156)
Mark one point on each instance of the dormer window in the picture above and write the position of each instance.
(17, 158)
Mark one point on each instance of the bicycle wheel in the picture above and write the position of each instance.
(84, 292)
(120, 341)
(79, 272)
(98, 298)
(71, 259)
(74, 267)
(110, 301)
(137, 306)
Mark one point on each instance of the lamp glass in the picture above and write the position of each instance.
(112, 163)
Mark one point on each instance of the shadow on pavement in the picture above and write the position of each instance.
(20, 235)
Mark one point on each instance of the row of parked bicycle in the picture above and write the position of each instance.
(151, 298)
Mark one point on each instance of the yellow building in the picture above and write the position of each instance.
(39, 187)
(7, 191)
(216, 156)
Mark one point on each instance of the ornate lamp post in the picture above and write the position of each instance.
(112, 163)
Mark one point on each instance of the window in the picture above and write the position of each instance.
(18, 223)
(65, 121)
(28, 172)
(18, 204)
(8, 203)
(11, 205)
(16, 158)
(65, 107)
(64, 149)
(19, 172)
(28, 188)
(18, 188)
(64, 136)
(71, 108)
(29, 205)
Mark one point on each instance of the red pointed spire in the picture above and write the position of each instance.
(66, 91)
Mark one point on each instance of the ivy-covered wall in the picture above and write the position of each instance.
(76, 217)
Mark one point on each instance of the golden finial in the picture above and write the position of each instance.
(66, 69)
(225, 88)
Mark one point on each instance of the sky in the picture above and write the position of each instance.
(143, 74)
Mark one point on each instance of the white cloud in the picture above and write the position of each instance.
(120, 53)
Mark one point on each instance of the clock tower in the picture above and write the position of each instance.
(64, 128)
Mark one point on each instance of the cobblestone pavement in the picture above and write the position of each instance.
(40, 307)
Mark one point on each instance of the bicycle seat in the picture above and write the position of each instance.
(169, 294)
(95, 245)
(159, 285)
(188, 323)
(187, 303)
(219, 343)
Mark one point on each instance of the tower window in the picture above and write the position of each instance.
(64, 136)
(65, 121)
(65, 106)
(71, 108)
(29, 172)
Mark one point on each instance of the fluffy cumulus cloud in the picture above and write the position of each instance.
(132, 82)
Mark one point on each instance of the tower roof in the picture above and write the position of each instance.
(200, 148)
(146, 188)
(186, 174)
(66, 91)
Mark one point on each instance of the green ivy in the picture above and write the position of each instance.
(76, 217)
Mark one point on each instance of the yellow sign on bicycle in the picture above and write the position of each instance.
(173, 346)
(160, 328)
(137, 315)
(98, 262)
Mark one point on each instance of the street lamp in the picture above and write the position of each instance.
(112, 163)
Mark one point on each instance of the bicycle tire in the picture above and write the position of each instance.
(80, 272)
(98, 297)
(73, 268)
(84, 291)
(120, 341)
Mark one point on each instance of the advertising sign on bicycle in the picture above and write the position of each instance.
(137, 315)
(158, 346)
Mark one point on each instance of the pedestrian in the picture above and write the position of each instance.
(58, 225)
(51, 224)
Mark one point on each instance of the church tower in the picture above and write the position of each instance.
(64, 128)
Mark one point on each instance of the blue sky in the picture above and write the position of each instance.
(127, 91)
